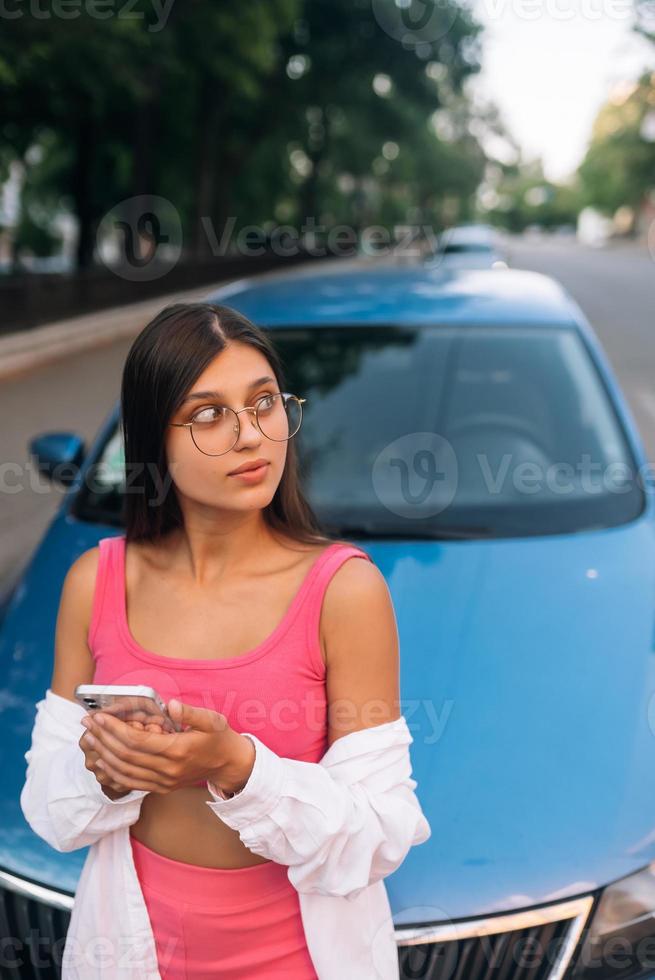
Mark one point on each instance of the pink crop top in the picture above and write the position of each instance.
(276, 690)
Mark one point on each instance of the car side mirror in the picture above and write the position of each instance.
(58, 455)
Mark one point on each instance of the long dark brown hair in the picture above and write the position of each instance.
(163, 362)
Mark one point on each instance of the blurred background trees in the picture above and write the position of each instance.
(279, 112)
(273, 111)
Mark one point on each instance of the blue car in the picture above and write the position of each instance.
(465, 428)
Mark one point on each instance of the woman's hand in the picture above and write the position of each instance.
(93, 762)
(206, 749)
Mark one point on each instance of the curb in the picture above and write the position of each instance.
(26, 350)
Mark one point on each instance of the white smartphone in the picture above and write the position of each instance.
(129, 702)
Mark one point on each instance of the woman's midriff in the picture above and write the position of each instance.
(181, 826)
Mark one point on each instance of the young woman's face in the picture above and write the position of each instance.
(205, 479)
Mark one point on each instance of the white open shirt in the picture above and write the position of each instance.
(340, 825)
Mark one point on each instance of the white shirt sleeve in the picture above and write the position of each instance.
(61, 799)
(339, 824)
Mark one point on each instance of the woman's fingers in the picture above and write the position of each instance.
(88, 745)
(124, 770)
(111, 752)
(104, 759)
(151, 745)
(106, 775)
(146, 726)
(120, 782)
(106, 779)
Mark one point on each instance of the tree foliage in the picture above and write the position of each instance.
(275, 110)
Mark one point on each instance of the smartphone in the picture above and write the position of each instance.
(129, 702)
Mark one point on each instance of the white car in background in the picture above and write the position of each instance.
(470, 246)
(593, 228)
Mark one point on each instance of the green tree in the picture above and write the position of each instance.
(132, 108)
(619, 166)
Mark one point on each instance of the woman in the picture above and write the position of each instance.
(267, 644)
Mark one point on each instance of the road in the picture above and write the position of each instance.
(615, 286)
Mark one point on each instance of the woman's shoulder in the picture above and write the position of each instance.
(82, 572)
(79, 585)
(357, 586)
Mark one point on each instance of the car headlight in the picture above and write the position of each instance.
(621, 937)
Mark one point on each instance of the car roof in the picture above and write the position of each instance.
(347, 292)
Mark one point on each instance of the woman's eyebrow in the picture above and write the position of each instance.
(218, 394)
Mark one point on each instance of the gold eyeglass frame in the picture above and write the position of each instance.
(249, 408)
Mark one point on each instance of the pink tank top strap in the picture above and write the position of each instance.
(106, 593)
(332, 558)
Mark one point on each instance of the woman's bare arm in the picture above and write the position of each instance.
(73, 661)
(362, 647)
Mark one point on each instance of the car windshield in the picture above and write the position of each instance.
(441, 431)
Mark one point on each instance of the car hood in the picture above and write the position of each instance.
(26, 660)
(526, 676)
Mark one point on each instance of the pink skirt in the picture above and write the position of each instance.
(223, 923)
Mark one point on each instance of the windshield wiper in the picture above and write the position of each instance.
(466, 532)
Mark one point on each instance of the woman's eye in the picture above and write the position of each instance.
(209, 414)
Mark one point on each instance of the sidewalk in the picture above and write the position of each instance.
(25, 350)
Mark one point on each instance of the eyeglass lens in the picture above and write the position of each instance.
(216, 430)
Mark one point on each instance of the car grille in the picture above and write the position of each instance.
(33, 925)
(536, 944)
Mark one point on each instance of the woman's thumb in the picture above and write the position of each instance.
(188, 715)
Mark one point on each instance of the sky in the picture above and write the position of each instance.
(549, 65)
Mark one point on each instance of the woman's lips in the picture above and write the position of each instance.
(251, 476)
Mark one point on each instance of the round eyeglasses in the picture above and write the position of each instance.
(215, 429)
